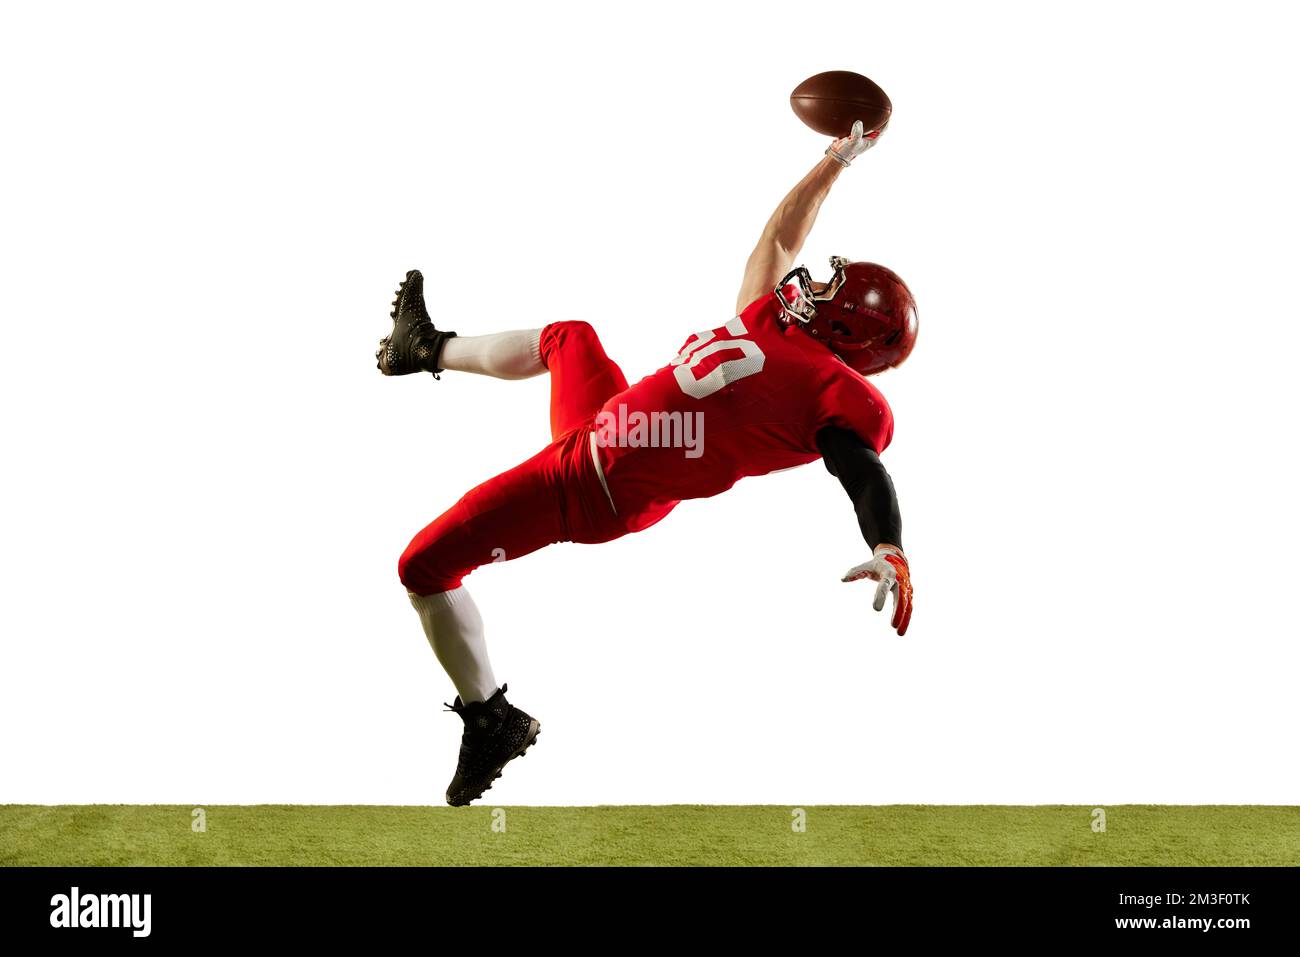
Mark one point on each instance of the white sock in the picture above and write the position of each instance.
(505, 355)
(455, 630)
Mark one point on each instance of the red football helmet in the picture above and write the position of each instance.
(865, 315)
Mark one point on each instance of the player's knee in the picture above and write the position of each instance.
(407, 568)
(419, 570)
(570, 334)
(579, 330)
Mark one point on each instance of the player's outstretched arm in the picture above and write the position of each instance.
(785, 232)
(793, 219)
(871, 490)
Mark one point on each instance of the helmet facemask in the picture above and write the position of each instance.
(797, 297)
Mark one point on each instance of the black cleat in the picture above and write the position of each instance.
(414, 344)
(496, 732)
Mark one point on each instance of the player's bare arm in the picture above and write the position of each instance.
(792, 220)
(785, 232)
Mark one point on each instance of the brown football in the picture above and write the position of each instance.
(831, 102)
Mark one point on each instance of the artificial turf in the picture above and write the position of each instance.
(648, 835)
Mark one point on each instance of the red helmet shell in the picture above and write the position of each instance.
(866, 315)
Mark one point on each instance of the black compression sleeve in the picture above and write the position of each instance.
(863, 476)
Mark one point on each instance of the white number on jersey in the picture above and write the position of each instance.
(727, 371)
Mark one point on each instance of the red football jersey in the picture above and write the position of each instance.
(744, 399)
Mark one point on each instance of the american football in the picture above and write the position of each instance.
(832, 102)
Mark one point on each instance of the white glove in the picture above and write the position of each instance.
(846, 149)
(888, 567)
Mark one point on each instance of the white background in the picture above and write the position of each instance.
(207, 483)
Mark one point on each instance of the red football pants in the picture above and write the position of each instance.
(555, 496)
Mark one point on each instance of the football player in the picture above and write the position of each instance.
(781, 384)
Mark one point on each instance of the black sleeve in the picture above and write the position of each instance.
(863, 476)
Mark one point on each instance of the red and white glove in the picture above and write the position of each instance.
(888, 567)
(848, 148)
